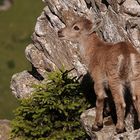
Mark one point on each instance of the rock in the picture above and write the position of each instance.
(47, 52)
(134, 135)
(108, 130)
(22, 84)
(87, 119)
(38, 59)
(131, 7)
(4, 129)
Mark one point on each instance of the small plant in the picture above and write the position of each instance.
(53, 111)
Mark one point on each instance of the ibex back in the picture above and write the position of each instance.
(112, 66)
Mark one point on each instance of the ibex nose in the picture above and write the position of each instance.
(60, 34)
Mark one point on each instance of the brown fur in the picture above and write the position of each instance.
(111, 66)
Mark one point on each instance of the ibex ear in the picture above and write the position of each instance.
(96, 25)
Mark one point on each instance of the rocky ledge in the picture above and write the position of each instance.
(108, 131)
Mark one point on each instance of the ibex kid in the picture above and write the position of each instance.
(110, 65)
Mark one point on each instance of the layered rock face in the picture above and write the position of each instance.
(121, 21)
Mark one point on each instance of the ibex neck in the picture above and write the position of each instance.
(90, 43)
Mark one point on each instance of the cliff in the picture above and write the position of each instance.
(46, 52)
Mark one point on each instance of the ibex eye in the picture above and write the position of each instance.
(76, 28)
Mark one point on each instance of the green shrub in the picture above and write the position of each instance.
(53, 110)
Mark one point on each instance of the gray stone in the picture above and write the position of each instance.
(87, 119)
(108, 130)
(22, 84)
(4, 129)
(131, 7)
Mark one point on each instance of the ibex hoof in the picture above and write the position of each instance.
(97, 127)
(120, 130)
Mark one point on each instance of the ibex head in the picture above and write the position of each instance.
(80, 28)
